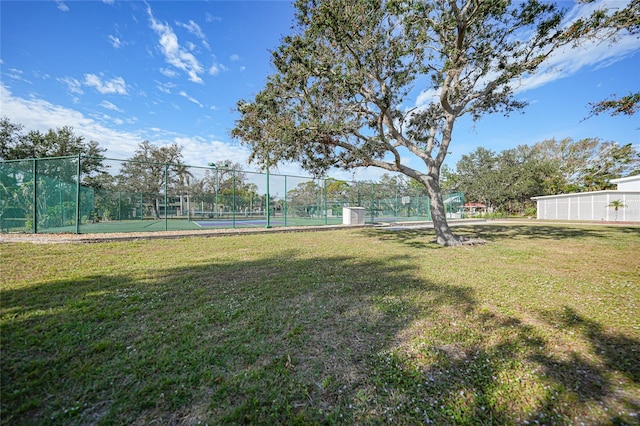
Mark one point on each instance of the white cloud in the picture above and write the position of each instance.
(234, 58)
(109, 2)
(74, 85)
(17, 74)
(106, 118)
(190, 98)
(108, 105)
(195, 29)
(41, 75)
(210, 18)
(568, 61)
(584, 9)
(39, 114)
(62, 6)
(165, 87)
(116, 85)
(168, 72)
(200, 151)
(115, 41)
(216, 68)
(173, 53)
(426, 97)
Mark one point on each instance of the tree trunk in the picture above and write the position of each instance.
(156, 212)
(439, 215)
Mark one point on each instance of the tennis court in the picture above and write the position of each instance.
(52, 195)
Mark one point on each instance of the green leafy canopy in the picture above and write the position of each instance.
(345, 76)
(339, 94)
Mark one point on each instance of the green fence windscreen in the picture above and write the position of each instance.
(54, 195)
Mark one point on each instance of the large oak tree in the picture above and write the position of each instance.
(151, 170)
(344, 80)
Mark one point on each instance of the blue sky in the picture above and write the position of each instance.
(120, 72)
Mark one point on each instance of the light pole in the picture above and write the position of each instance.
(217, 168)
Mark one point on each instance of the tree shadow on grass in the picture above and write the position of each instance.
(496, 232)
(613, 358)
(486, 381)
(237, 341)
(425, 238)
(421, 239)
(285, 339)
(617, 353)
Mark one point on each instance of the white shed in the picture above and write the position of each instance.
(631, 183)
(594, 205)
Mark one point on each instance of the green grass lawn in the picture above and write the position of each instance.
(541, 325)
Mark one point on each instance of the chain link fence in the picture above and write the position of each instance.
(54, 195)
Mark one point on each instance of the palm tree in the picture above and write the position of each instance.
(616, 204)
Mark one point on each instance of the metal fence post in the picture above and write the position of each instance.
(61, 203)
(396, 206)
(215, 208)
(233, 198)
(326, 214)
(284, 203)
(373, 202)
(166, 208)
(35, 196)
(78, 188)
(268, 207)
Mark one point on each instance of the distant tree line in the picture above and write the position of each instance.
(17, 145)
(506, 181)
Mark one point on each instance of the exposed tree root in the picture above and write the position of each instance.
(460, 241)
(473, 242)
